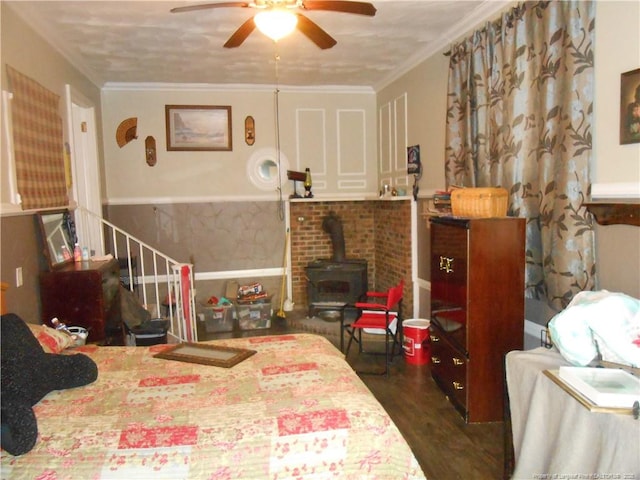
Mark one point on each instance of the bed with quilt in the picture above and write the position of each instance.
(294, 409)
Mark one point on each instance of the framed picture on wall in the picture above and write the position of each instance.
(413, 160)
(630, 107)
(198, 128)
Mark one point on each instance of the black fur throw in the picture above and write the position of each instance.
(27, 375)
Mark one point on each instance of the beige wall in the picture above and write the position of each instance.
(25, 51)
(617, 51)
(28, 53)
(314, 133)
(426, 88)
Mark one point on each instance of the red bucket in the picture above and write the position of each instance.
(415, 341)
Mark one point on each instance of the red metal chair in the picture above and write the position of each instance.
(380, 318)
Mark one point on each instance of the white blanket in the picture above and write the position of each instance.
(599, 322)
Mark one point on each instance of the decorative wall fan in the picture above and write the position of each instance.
(127, 131)
(287, 12)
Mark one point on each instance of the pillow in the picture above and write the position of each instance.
(51, 340)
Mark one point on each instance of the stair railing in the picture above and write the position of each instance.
(163, 285)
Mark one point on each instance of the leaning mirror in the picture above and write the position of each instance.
(57, 237)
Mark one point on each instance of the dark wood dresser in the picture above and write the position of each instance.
(477, 309)
(85, 294)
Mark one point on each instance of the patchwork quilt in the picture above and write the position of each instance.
(293, 410)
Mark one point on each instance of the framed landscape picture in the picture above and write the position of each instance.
(630, 107)
(198, 128)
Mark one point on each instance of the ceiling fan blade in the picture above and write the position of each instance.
(241, 34)
(206, 6)
(359, 8)
(314, 33)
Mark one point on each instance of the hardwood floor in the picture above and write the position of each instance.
(445, 447)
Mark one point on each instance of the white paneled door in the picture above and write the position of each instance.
(85, 169)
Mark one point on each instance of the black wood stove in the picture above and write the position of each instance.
(335, 280)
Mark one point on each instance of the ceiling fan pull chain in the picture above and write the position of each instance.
(277, 115)
(276, 57)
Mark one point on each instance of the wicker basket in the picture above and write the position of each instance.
(479, 202)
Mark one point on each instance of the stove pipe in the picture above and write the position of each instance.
(333, 226)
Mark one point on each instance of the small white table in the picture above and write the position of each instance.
(554, 435)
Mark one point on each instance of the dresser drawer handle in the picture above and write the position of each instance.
(446, 264)
(435, 360)
(434, 338)
(458, 386)
(457, 362)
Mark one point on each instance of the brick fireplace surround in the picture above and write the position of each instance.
(378, 231)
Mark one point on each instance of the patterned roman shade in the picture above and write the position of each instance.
(38, 143)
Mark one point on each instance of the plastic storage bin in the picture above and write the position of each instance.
(254, 316)
(152, 332)
(218, 318)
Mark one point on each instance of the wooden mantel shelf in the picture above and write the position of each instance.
(615, 211)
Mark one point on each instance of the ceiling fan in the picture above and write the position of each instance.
(287, 8)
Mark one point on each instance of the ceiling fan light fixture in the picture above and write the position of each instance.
(276, 23)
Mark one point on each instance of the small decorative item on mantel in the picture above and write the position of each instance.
(296, 177)
(307, 183)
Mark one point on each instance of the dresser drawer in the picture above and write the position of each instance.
(449, 369)
(449, 264)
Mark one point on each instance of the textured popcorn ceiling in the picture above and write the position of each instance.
(141, 41)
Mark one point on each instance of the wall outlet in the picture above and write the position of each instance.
(19, 277)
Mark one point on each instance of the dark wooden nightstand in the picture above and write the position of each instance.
(85, 294)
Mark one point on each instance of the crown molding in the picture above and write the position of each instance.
(208, 87)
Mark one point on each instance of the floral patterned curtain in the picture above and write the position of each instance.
(519, 114)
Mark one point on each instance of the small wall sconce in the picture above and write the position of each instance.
(150, 150)
(249, 130)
